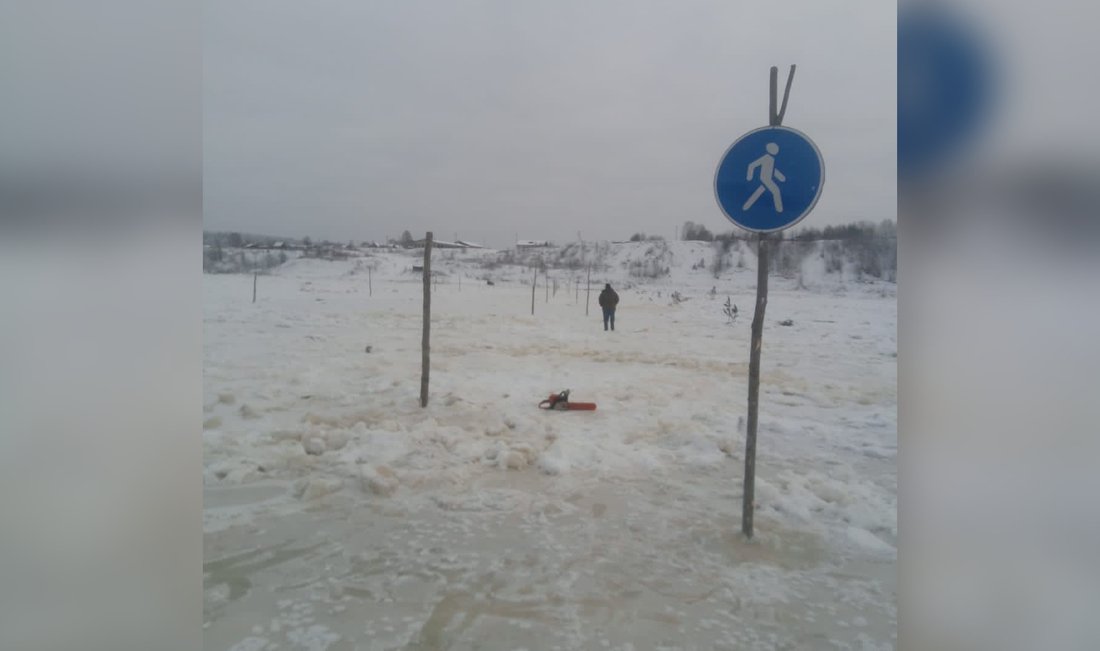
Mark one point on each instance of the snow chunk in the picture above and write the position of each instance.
(250, 644)
(284, 435)
(513, 460)
(314, 445)
(553, 462)
(311, 489)
(380, 480)
(869, 541)
(314, 638)
(336, 440)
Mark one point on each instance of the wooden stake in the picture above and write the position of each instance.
(749, 491)
(786, 96)
(534, 281)
(588, 295)
(370, 285)
(425, 342)
(255, 275)
(546, 281)
(773, 83)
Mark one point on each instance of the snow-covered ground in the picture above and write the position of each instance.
(482, 522)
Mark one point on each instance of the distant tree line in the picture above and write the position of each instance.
(236, 240)
(865, 249)
(693, 232)
(885, 229)
(862, 230)
(216, 259)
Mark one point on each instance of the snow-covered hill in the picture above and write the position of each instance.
(672, 266)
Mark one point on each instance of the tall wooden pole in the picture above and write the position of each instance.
(546, 281)
(425, 346)
(775, 119)
(370, 284)
(255, 275)
(534, 281)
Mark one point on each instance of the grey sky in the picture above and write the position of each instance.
(357, 119)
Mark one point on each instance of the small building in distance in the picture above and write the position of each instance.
(438, 244)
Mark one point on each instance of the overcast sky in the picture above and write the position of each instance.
(358, 119)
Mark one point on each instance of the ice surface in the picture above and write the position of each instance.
(482, 522)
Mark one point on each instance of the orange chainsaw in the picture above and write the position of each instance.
(561, 401)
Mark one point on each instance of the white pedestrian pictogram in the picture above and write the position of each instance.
(766, 163)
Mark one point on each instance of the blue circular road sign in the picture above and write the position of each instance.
(769, 179)
(945, 87)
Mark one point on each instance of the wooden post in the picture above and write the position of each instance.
(577, 293)
(775, 119)
(546, 281)
(773, 82)
(425, 342)
(255, 275)
(588, 294)
(534, 281)
(370, 284)
(756, 346)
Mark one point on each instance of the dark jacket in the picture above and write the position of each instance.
(608, 298)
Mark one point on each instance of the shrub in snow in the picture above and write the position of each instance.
(730, 310)
(722, 255)
(655, 262)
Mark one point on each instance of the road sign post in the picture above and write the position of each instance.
(768, 180)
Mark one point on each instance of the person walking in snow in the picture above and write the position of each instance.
(608, 301)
